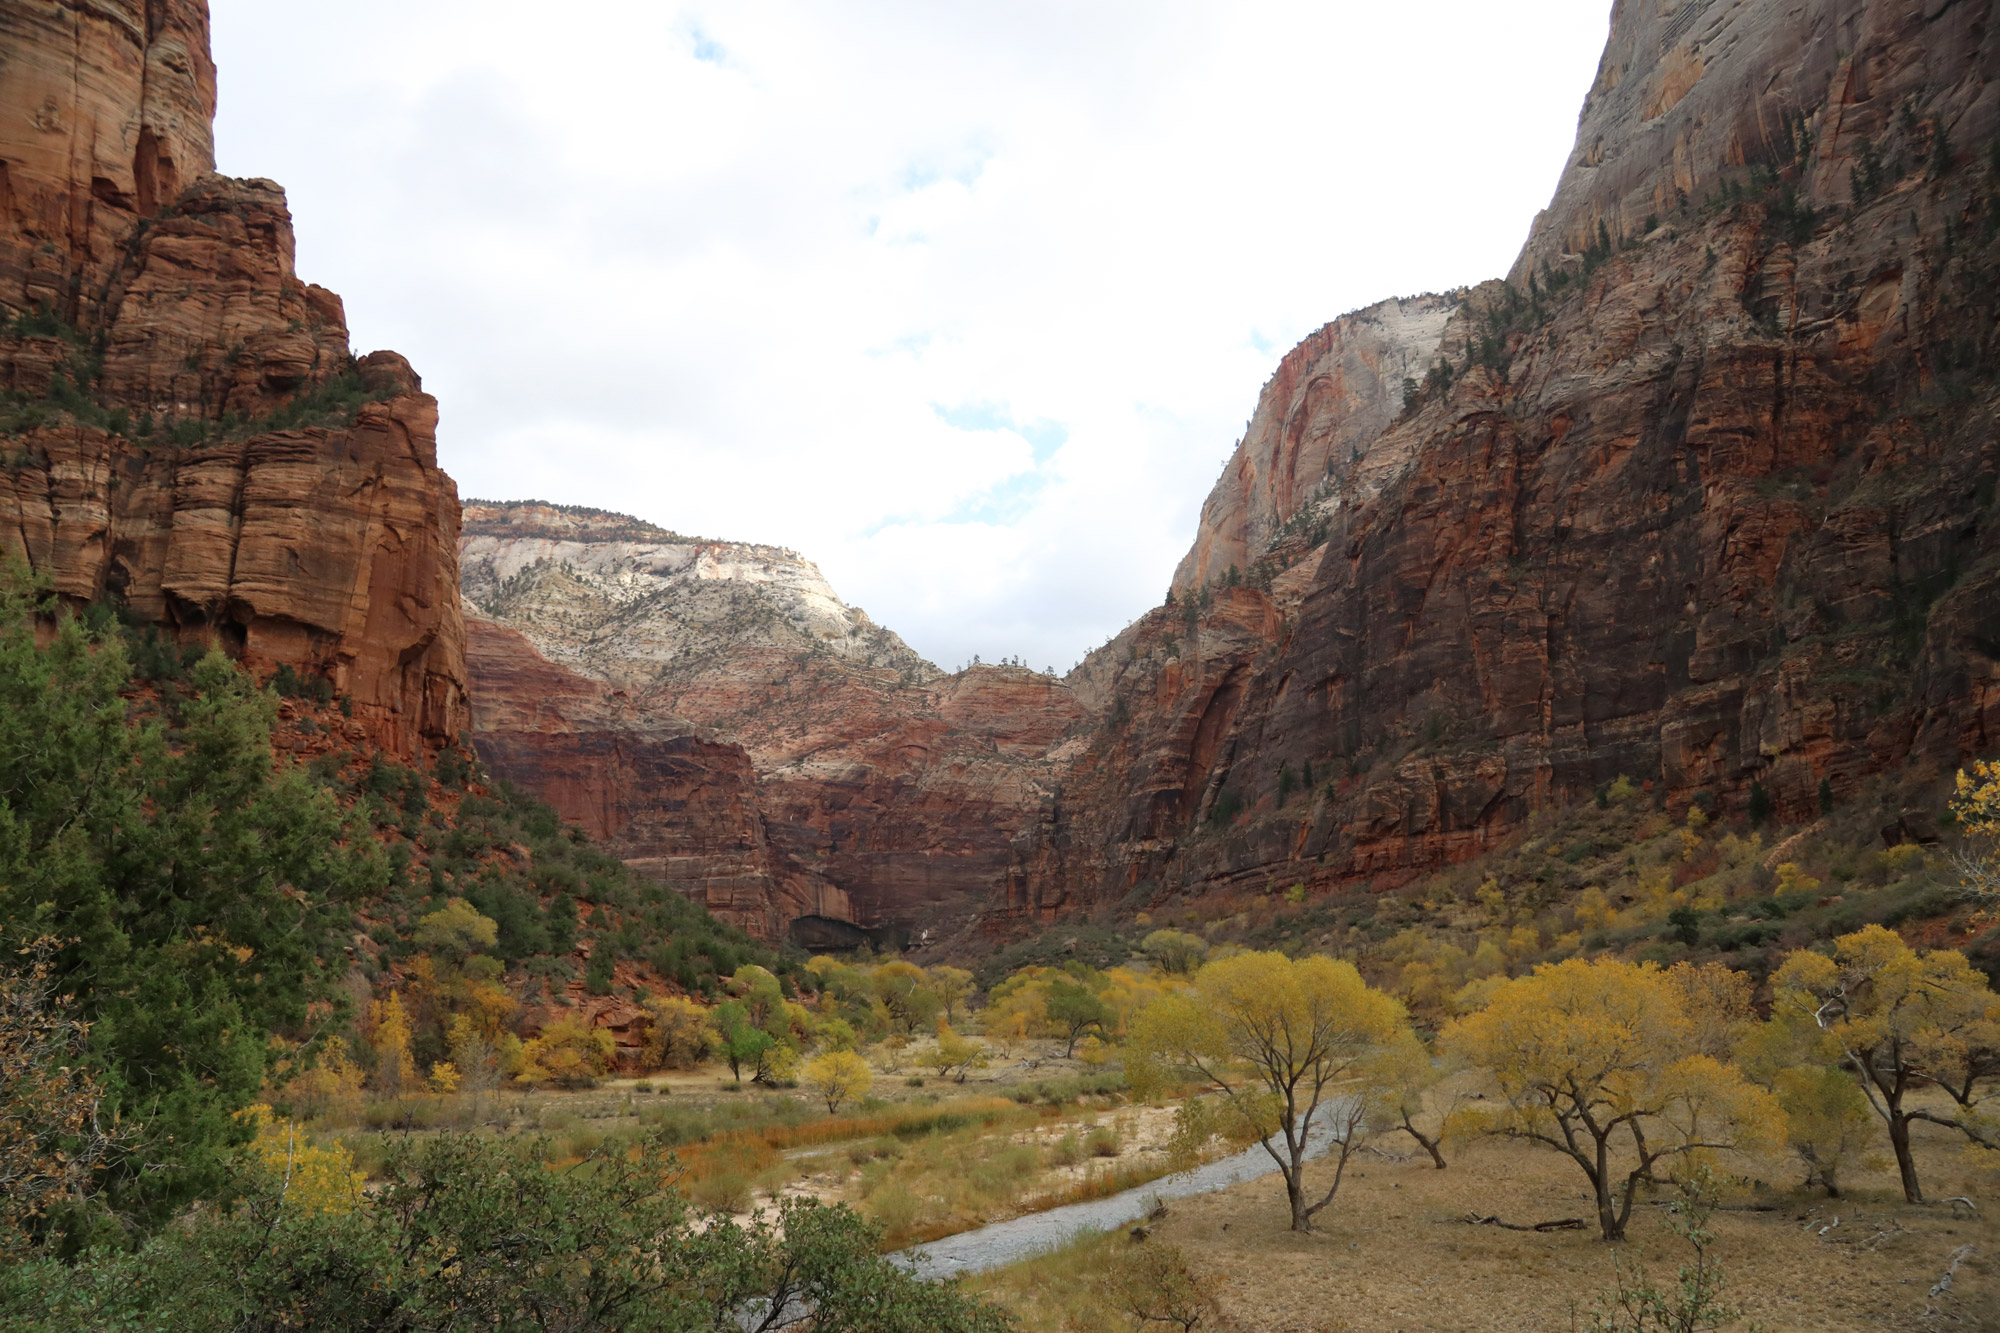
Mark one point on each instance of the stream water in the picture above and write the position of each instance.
(1018, 1238)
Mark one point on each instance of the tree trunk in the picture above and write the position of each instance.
(1295, 1190)
(1906, 1165)
(1609, 1221)
(1430, 1145)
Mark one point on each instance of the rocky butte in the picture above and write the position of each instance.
(1701, 494)
(229, 471)
(866, 787)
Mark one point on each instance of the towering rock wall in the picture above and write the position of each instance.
(1710, 503)
(110, 114)
(1690, 93)
(154, 336)
(904, 797)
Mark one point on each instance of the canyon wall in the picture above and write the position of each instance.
(675, 806)
(1704, 496)
(892, 795)
(187, 431)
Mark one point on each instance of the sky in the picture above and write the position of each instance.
(966, 302)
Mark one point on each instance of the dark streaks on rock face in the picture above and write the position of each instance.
(1709, 506)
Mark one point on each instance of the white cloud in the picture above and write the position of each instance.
(966, 302)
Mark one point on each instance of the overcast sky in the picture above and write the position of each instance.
(967, 302)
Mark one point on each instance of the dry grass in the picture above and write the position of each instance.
(926, 1188)
(726, 1170)
(1059, 1291)
(977, 1113)
(1394, 1256)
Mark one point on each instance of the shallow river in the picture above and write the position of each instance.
(1019, 1238)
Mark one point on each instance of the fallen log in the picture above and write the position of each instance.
(1559, 1224)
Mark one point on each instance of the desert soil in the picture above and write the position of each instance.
(1396, 1257)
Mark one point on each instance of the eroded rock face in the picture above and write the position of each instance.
(1689, 94)
(326, 550)
(150, 318)
(633, 603)
(681, 808)
(208, 317)
(1711, 507)
(110, 114)
(911, 793)
(1312, 444)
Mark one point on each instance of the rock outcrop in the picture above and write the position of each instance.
(189, 432)
(110, 115)
(1312, 445)
(911, 793)
(633, 603)
(1704, 496)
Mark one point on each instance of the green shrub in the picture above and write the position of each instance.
(532, 1245)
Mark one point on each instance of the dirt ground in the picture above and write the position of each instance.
(1394, 1256)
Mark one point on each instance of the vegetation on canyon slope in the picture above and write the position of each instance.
(180, 899)
(72, 396)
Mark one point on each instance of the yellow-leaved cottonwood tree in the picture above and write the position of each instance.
(1403, 1073)
(678, 1035)
(1603, 1062)
(1976, 805)
(953, 986)
(837, 1077)
(1280, 1040)
(1831, 1128)
(1901, 1020)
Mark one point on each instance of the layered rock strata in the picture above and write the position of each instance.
(154, 335)
(1708, 503)
(911, 793)
(678, 807)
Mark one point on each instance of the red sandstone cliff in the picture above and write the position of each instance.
(910, 795)
(1708, 502)
(677, 807)
(153, 319)
(111, 108)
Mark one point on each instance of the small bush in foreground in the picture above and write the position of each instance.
(1694, 1304)
(1155, 1284)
